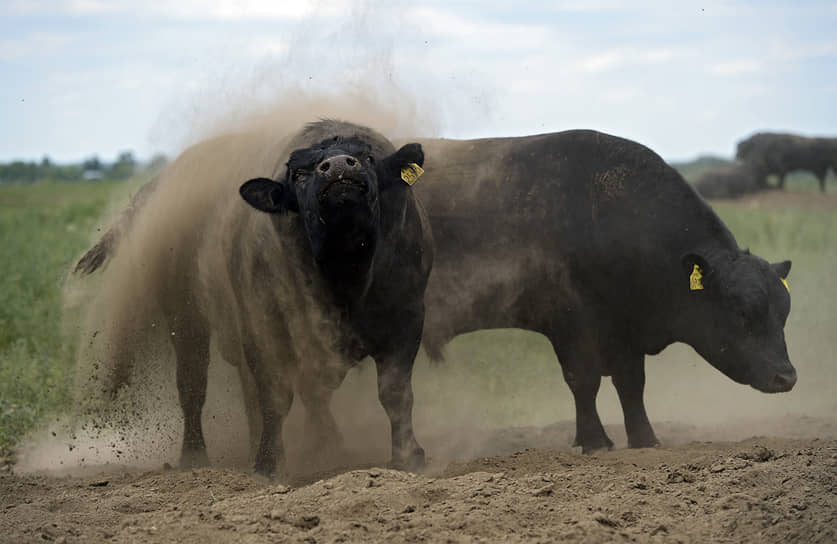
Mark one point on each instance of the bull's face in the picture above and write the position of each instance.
(335, 186)
(737, 318)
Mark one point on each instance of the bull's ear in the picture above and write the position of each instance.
(782, 268)
(696, 268)
(269, 196)
(403, 166)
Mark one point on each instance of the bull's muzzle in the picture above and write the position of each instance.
(781, 382)
(339, 167)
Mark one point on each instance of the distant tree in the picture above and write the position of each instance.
(93, 163)
(20, 171)
(124, 166)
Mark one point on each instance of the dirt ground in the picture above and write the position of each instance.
(709, 484)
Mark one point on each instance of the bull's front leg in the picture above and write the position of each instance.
(781, 183)
(323, 440)
(395, 389)
(629, 380)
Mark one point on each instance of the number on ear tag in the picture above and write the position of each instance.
(695, 283)
(411, 173)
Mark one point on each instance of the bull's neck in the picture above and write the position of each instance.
(347, 268)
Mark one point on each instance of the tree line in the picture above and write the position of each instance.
(92, 168)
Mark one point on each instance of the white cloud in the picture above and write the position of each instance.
(602, 62)
(184, 9)
(261, 46)
(736, 67)
(620, 58)
(34, 44)
(480, 34)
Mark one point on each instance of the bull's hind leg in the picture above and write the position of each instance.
(581, 362)
(629, 380)
(395, 389)
(190, 338)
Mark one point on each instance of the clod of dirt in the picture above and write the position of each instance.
(757, 453)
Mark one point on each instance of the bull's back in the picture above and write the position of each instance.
(575, 187)
(526, 226)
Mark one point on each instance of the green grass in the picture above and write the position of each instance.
(43, 228)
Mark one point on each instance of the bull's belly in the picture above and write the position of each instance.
(515, 290)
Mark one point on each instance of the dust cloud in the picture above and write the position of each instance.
(234, 130)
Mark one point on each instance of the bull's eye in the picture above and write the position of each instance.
(299, 176)
(371, 159)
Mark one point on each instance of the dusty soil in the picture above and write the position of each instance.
(704, 487)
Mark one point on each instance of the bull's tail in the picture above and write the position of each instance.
(98, 255)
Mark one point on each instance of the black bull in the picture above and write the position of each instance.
(780, 153)
(333, 272)
(593, 241)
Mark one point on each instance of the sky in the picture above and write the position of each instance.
(96, 77)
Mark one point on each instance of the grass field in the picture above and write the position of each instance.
(44, 227)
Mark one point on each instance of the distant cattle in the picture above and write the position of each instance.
(335, 270)
(730, 181)
(779, 154)
(595, 242)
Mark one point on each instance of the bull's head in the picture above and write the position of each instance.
(739, 306)
(335, 185)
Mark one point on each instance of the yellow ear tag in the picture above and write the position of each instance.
(695, 283)
(411, 173)
(785, 282)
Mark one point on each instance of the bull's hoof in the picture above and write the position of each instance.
(644, 442)
(265, 467)
(592, 446)
(194, 459)
(412, 462)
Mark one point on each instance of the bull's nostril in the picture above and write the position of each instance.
(784, 381)
(350, 161)
(324, 167)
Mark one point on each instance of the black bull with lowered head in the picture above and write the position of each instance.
(335, 270)
(595, 242)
